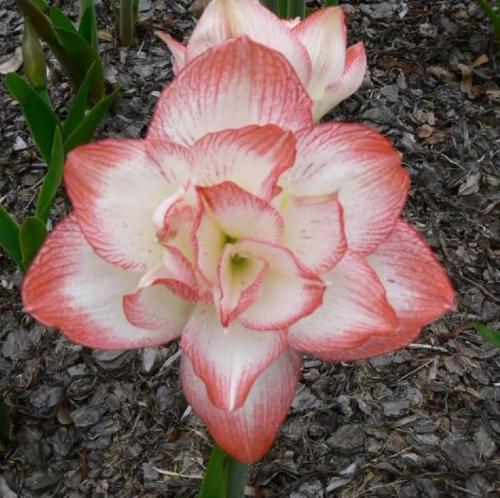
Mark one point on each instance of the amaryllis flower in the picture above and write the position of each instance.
(315, 47)
(246, 232)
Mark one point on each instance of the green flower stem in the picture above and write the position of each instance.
(224, 477)
(296, 8)
(331, 3)
(127, 28)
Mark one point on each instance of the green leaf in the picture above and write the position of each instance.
(490, 335)
(4, 424)
(78, 106)
(9, 236)
(88, 28)
(32, 236)
(88, 126)
(61, 20)
(39, 116)
(83, 55)
(36, 12)
(52, 179)
(224, 477)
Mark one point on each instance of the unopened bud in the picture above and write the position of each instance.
(33, 57)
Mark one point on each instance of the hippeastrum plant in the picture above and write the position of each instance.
(247, 232)
(316, 47)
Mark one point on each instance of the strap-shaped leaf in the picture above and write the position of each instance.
(52, 179)
(88, 28)
(83, 55)
(32, 235)
(77, 110)
(61, 20)
(9, 236)
(36, 11)
(88, 126)
(40, 118)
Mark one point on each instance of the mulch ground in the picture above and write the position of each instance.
(422, 422)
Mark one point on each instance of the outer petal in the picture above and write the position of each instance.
(324, 34)
(314, 230)
(228, 360)
(224, 19)
(240, 214)
(236, 84)
(354, 309)
(416, 284)
(178, 50)
(362, 167)
(252, 157)
(247, 432)
(69, 287)
(288, 292)
(115, 187)
(351, 80)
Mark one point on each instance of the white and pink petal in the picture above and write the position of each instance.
(346, 85)
(225, 19)
(355, 309)
(362, 168)
(253, 157)
(239, 283)
(324, 34)
(71, 288)
(417, 285)
(236, 84)
(115, 187)
(228, 359)
(314, 230)
(240, 214)
(289, 291)
(177, 48)
(248, 432)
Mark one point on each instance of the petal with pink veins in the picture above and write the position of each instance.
(178, 50)
(362, 168)
(253, 157)
(208, 241)
(71, 288)
(355, 308)
(236, 84)
(314, 230)
(240, 214)
(240, 280)
(175, 272)
(224, 19)
(347, 84)
(324, 34)
(157, 307)
(115, 187)
(416, 283)
(289, 290)
(228, 360)
(248, 432)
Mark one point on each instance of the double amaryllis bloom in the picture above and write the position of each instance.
(246, 231)
(316, 47)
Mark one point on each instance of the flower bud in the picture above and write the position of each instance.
(33, 57)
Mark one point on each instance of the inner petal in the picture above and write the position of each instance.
(240, 278)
